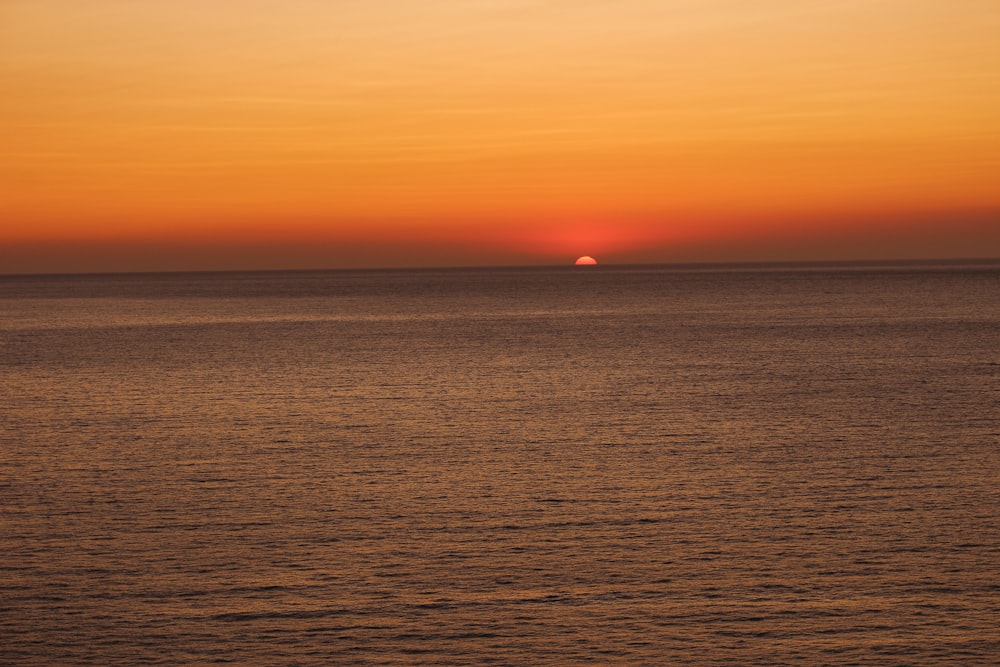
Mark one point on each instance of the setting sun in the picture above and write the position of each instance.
(586, 260)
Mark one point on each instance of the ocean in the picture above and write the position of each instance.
(635, 465)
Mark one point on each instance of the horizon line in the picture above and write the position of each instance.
(736, 265)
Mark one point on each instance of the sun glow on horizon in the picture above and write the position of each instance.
(508, 131)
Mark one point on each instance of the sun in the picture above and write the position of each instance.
(586, 260)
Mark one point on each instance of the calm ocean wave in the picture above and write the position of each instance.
(636, 465)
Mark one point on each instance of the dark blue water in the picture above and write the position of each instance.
(628, 465)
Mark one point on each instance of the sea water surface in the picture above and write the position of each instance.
(606, 465)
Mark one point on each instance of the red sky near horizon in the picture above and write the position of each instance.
(187, 135)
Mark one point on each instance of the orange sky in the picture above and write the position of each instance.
(307, 133)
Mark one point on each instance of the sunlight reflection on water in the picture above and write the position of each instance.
(643, 466)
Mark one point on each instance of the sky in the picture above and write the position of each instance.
(258, 134)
